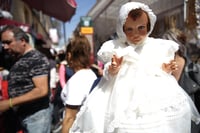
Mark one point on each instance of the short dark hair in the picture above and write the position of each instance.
(18, 32)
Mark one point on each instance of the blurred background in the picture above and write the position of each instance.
(51, 23)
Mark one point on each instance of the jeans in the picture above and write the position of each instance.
(39, 122)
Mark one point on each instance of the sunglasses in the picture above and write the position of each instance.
(8, 42)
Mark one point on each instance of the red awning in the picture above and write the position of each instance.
(5, 21)
(60, 9)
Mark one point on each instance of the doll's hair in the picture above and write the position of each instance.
(136, 13)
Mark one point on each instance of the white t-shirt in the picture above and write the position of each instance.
(78, 87)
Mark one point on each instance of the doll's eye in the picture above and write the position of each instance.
(128, 30)
(141, 27)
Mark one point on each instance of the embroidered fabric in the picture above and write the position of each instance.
(141, 98)
(145, 100)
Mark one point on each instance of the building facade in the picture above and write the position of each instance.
(105, 12)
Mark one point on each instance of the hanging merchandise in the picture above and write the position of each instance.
(197, 9)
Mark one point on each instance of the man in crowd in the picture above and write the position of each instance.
(28, 86)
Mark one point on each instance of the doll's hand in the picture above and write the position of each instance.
(170, 67)
(115, 65)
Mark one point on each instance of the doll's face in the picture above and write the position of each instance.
(136, 30)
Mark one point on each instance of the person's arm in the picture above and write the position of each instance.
(53, 78)
(62, 72)
(70, 115)
(40, 90)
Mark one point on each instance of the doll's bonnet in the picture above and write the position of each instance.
(123, 14)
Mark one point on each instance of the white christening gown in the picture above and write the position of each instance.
(141, 98)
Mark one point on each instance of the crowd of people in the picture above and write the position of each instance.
(142, 87)
(36, 79)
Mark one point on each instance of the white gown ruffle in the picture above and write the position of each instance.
(140, 99)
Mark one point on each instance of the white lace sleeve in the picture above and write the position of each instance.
(106, 51)
(172, 48)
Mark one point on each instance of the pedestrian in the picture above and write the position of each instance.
(78, 86)
(65, 72)
(181, 56)
(173, 33)
(53, 76)
(137, 93)
(62, 68)
(27, 82)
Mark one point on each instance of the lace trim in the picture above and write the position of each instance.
(148, 120)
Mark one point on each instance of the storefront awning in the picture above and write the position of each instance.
(60, 9)
(5, 21)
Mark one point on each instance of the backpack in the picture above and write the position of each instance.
(68, 72)
(95, 84)
(189, 80)
(195, 73)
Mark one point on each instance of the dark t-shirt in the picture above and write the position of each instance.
(30, 65)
